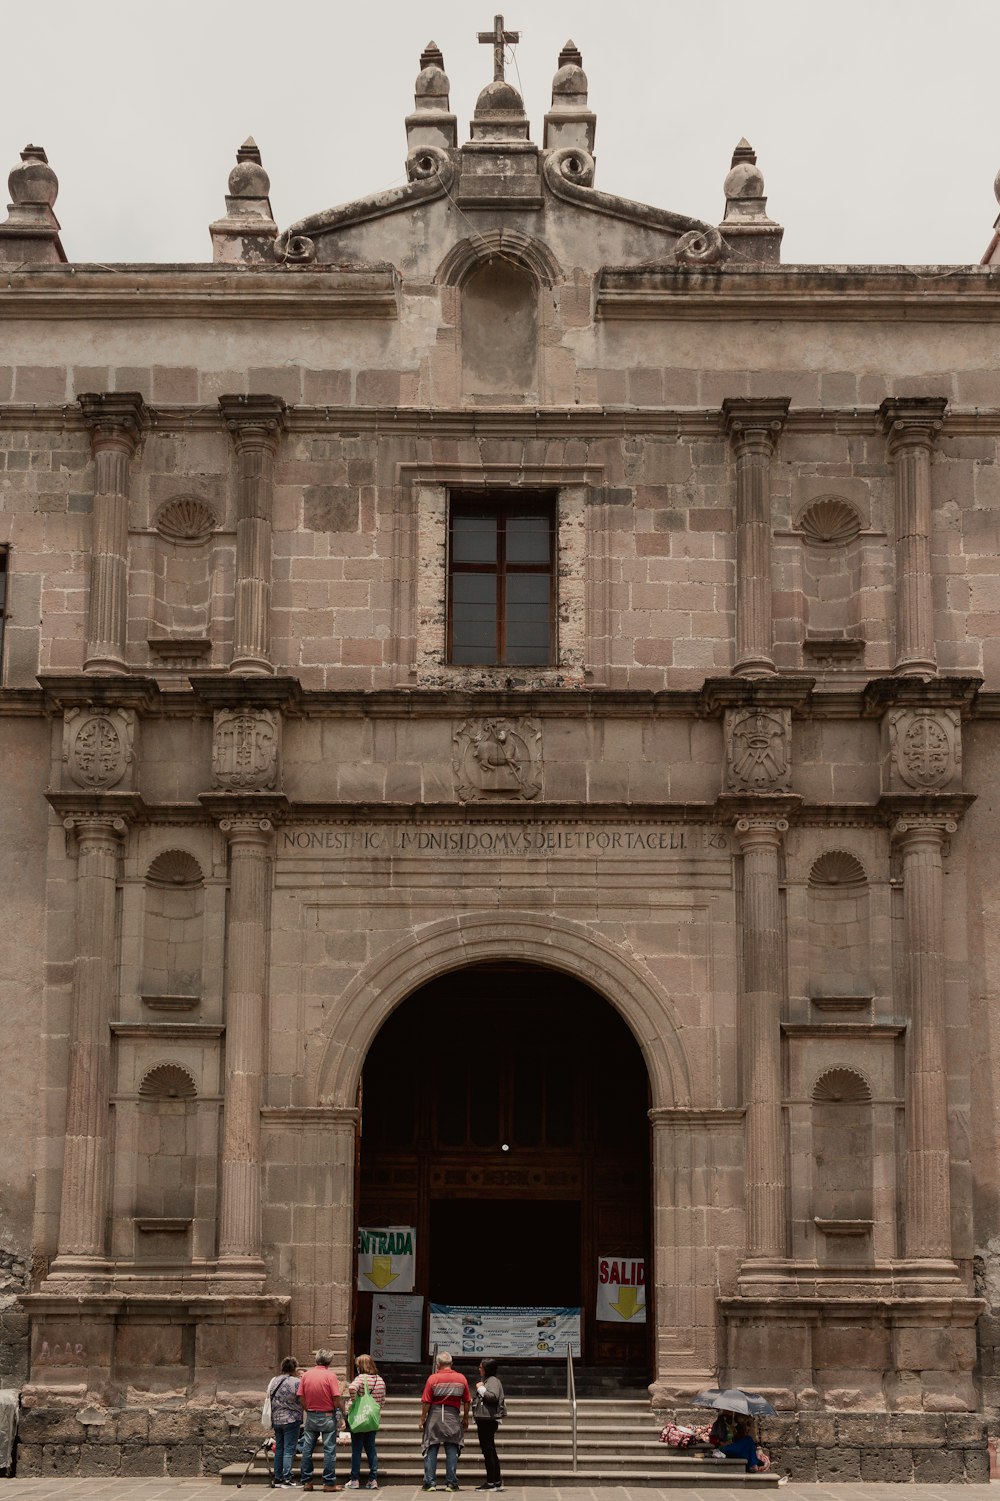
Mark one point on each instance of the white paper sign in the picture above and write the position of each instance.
(504, 1333)
(386, 1259)
(621, 1289)
(396, 1324)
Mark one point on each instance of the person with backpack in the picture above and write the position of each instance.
(285, 1416)
(488, 1408)
(367, 1380)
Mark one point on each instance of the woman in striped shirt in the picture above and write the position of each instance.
(367, 1374)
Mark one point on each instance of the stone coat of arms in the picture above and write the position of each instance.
(925, 750)
(498, 758)
(98, 746)
(245, 750)
(758, 750)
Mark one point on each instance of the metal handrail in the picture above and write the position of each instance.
(571, 1398)
(434, 1357)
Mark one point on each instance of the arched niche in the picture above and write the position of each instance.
(499, 331)
(843, 1163)
(173, 926)
(832, 564)
(839, 921)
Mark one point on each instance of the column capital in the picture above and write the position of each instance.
(117, 419)
(912, 421)
(254, 421)
(913, 829)
(754, 421)
(107, 829)
(247, 828)
(760, 831)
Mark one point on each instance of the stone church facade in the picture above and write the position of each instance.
(499, 584)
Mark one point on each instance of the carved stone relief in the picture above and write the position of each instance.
(98, 747)
(923, 750)
(758, 750)
(246, 750)
(498, 758)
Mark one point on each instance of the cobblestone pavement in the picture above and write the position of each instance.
(56, 1488)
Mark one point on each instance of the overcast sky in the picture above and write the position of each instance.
(876, 122)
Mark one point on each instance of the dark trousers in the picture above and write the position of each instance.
(486, 1430)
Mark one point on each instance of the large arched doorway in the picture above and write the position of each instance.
(504, 1116)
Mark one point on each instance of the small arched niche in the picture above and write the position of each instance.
(167, 1081)
(843, 1157)
(173, 927)
(500, 331)
(166, 1158)
(839, 927)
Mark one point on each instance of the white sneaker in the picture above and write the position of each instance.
(352, 1485)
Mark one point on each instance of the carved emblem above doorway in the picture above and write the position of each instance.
(758, 750)
(498, 758)
(245, 752)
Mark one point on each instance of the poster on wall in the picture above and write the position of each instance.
(504, 1333)
(386, 1259)
(621, 1290)
(396, 1326)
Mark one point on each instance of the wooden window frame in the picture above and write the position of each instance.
(504, 504)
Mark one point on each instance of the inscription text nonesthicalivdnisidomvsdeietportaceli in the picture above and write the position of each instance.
(518, 842)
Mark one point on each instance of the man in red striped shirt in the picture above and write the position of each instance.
(446, 1393)
(321, 1401)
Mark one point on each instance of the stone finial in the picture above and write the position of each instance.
(746, 224)
(569, 122)
(247, 234)
(432, 123)
(992, 256)
(31, 230)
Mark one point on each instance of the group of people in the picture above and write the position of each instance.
(732, 1435)
(311, 1404)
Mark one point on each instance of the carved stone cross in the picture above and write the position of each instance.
(498, 37)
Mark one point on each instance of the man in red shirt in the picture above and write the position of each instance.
(321, 1401)
(446, 1393)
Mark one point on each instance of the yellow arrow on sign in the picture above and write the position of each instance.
(381, 1273)
(628, 1304)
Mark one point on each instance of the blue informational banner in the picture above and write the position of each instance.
(504, 1333)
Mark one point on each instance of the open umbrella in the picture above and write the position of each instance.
(735, 1400)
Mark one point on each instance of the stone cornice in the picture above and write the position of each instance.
(226, 807)
(960, 294)
(73, 690)
(246, 691)
(140, 292)
(719, 694)
(880, 694)
(128, 806)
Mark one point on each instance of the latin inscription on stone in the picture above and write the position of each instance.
(518, 843)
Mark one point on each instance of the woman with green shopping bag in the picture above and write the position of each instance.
(366, 1394)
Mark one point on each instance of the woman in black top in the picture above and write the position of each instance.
(488, 1407)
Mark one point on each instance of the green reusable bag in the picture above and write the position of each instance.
(364, 1414)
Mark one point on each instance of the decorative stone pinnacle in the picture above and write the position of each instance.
(249, 151)
(744, 152)
(431, 57)
(571, 54)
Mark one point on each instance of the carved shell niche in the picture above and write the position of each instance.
(842, 1086)
(174, 868)
(168, 1081)
(837, 868)
(830, 520)
(186, 519)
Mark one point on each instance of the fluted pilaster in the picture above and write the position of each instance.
(760, 841)
(256, 424)
(911, 426)
(921, 839)
(84, 1204)
(250, 846)
(753, 428)
(116, 421)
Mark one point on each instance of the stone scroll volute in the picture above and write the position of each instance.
(922, 750)
(246, 750)
(498, 758)
(99, 748)
(758, 750)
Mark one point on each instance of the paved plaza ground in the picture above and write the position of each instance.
(54, 1488)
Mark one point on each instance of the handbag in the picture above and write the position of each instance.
(265, 1412)
(365, 1414)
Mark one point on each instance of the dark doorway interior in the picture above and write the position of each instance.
(517, 1252)
(504, 1116)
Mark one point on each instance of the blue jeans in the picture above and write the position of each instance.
(451, 1452)
(364, 1441)
(286, 1436)
(320, 1425)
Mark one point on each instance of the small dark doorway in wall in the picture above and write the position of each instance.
(504, 1116)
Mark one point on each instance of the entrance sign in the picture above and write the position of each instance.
(621, 1289)
(504, 1333)
(386, 1259)
(396, 1327)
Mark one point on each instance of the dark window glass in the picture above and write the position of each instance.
(500, 598)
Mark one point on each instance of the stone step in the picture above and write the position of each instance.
(675, 1471)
